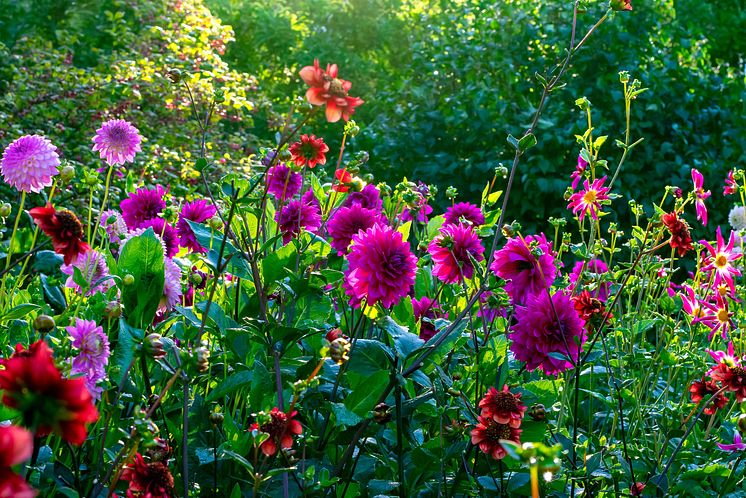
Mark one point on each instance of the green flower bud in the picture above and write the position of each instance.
(128, 279)
(44, 324)
(67, 173)
(174, 75)
(5, 210)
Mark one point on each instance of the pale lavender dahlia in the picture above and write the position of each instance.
(347, 222)
(143, 205)
(197, 211)
(166, 232)
(117, 141)
(298, 215)
(465, 211)
(452, 252)
(369, 198)
(113, 223)
(172, 286)
(381, 268)
(93, 353)
(543, 327)
(29, 163)
(283, 182)
(527, 264)
(93, 267)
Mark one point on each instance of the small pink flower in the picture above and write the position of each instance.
(700, 195)
(117, 141)
(731, 187)
(721, 258)
(577, 175)
(589, 200)
(738, 444)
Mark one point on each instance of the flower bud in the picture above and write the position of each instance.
(44, 324)
(174, 75)
(285, 155)
(623, 76)
(216, 418)
(67, 173)
(619, 5)
(339, 350)
(382, 413)
(219, 96)
(203, 359)
(216, 223)
(195, 279)
(334, 334)
(5, 210)
(113, 310)
(161, 451)
(508, 231)
(538, 412)
(357, 184)
(501, 171)
(128, 279)
(153, 346)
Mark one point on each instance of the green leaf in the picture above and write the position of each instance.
(233, 383)
(19, 311)
(344, 416)
(124, 352)
(369, 357)
(526, 142)
(142, 257)
(273, 266)
(404, 341)
(260, 381)
(362, 400)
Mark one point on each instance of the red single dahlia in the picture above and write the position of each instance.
(729, 372)
(327, 88)
(148, 480)
(310, 151)
(590, 309)
(503, 407)
(32, 384)
(681, 239)
(281, 427)
(703, 389)
(64, 228)
(487, 434)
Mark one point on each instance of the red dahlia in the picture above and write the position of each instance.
(64, 228)
(503, 407)
(681, 239)
(16, 445)
(487, 434)
(310, 151)
(327, 88)
(32, 384)
(732, 377)
(344, 179)
(14, 486)
(148, 480)
(281, 427)
(702, 389)
(589, 308)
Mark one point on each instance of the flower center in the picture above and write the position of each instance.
(336, 88)
(69, 224)
(722, 315)
(505, 401)
(590, 196)
(395, 263)
(496, 432)
(721, 261)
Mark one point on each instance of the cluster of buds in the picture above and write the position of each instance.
(337, 346)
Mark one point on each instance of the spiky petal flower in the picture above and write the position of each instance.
(381, 267)
(298, 215)
(283, 182)
(148, 480)
(93, 267)
(347, 222)
(64, 228)
(32, 384)
(29, 163)
(487, 434)
(738, 444)
(453, 251)
(700, 196)
(281, 428)
(117, 141)
(504, 407)
(721, 258)
(197, 211)
(681, 239)
(543, 327)
(143, 205)
(731, 187)
(464, 212)
(716, 316)
(425, 311)
(172, 291)
(309, 151)
(327, 88)
(527, 264)
(704, 389)
(589, 201)
(577, 175)
(93, 353)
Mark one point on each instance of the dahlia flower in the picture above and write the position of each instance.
(281, 428)
(64, 228)
(527, 264)
(16, 446)
(29, 163)
(327, 88)
(343, 180)
(298, 215)
(487, 434)
(731, 187)
(283, 182)
(504, 407)
(93, 267)
(309, 151)
(590, 309)
(464, 211)
(589, 201)
(453, 251)
(369, 198)
(721, 258)
(347, 222)
(577, 175)
(32, 384)
(172, 285)
(148, 480)
(420, 214)
(381, 267)
(544, 327)
(700, 195)
(117, 141)
(93, 353)
(738, 444)
(729, 372)
(425, 311)
(197, 211)
(703, 389)
(113, 223)
(737, 218)
(590, 278)
(717, 317)
(681, 239)
(143, 205)
(166, 232)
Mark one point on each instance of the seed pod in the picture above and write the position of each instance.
(216, 418)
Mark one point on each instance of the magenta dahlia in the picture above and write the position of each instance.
(29, 163)
(426, 310)
(298, 215)
(453, 253)
(381, 267)
(198, 211)
(283, 182)
(464, 211)
(347, 222)
(369, 198)
(117, 141)
(543, 327)
(143, 205)
(527, 264)
(589, 276)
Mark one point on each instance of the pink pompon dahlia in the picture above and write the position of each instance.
(197, 211)
(299, 215)
(700, 196)
(590, 275)
(487, 435)
(143, 205)
(327, 88)
(347, 222)
(464, 212)
(283, 182)
(93, 353)
(113, 223)
(504, 407)
(309, 151)
(453, 252)
(29, 163)
(527, 264)
(425, 311)
(93, 267)
(381, 267)
(544, 327)
(720, 260)
(731, 187)
(117, 141)
(589, 201)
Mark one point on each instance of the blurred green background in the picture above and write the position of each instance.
(444, 83)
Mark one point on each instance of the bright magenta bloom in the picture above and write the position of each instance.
(527, 264)
(538, 332)
(29, 163)
(166, 232)
(117, 141)
(717, 317)
(701, 195)
(347, 222)
(425, 311)
(143, 205)
(589, 200)
(198, 211)
(731, 187)
(577, 175)
(298, 215)
(738, 444)
(381, 267)
(594, 269)
(452, 252)
(327, 88)
(283, 182)
(720, 260)
(464, 211)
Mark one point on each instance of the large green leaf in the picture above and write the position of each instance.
(142, 257)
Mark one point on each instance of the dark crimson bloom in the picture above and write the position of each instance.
(426, 310)
(343, 180)
(487, 434)
(527, 264)
(32, 384)
(347, 222)
(281, 428)
(729, 372)
(148, 480)
(309, 151)
(681, 239)
(327, 88)
(65, 230)
(464, 211)
(298, 215)
(703, 389)
(16, 445)
(504, 407)
(453, 252)
(142, 205)
(637, 488)
(590, 309)
(198, 211)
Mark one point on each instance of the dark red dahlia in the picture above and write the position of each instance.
(732, 377)
(65, 230)
(148, 480)
(487, 434)
(590, 309)
(281, 427)
(636, 489)
(704, 389)
(429, 310)
(681, 239)
(503, 407)
(32, 384)
(310, 151)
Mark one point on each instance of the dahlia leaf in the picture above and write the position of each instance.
(369, 357)
(19, 311)
(142, 258)
(405, 342)
(362, 400)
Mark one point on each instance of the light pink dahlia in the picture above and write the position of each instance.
(453, 252)
(172, 286)
(527, 264)
(93, 267)
(117, 141)
(113, 223)
(29, 163)
(93, 353)
(381, 267)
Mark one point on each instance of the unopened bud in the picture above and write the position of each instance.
(508, 231)
(216, 223)
(5, 210)
(538, 412)
(339, 350)
(128, 279)
(285, 155)
(67, 173)
(216, 418)
(44, 324)
(113, 310)
(174, 75)
(203, 358)
(153, 345)
(195, 279)
(382, 413)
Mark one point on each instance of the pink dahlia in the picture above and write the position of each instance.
(464, 212)
(737, 445)
(591, 277)
(197, 211)
(117, 141)
(166, 232)
(453, 253)
(143, 205)
(369, 198)
(298, 215)
(114, 224)
(731, 187)
(309, 151)
(700, 195)
(381, 267)
(171, 286)
(29, 163)
(327, 88)
(527, 264)
(543, 327)
(93, 268)
(589, 201)
(93, 353)
(717, 317)
(504, 407)
(720, 260)
(347, 222)
(488, 434)
(577, 175)
(283, 182)
(426, 310)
